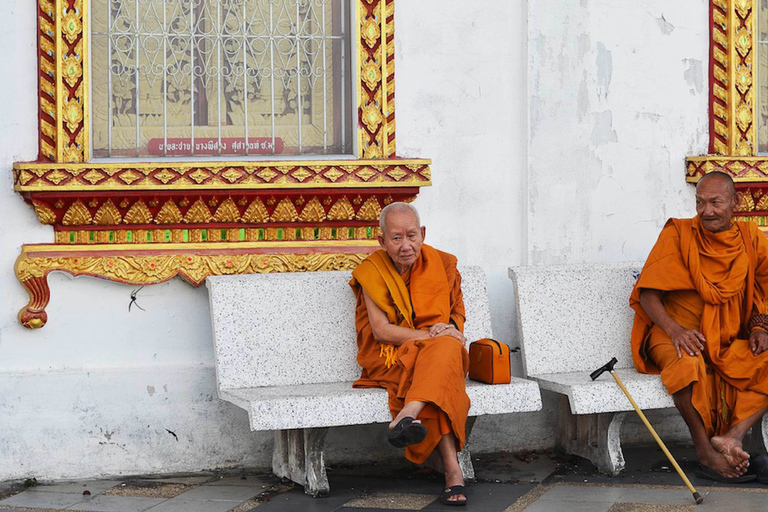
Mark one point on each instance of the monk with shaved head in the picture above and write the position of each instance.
(409, 320)
(701, 320)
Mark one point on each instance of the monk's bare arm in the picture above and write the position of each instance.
(689, 340)
(385, 332)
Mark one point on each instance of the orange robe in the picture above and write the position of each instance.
(431, 370)
(714, 283)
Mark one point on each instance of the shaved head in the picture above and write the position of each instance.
(716, 201)
(719, 177)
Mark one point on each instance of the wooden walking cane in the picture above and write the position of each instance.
(609, 368)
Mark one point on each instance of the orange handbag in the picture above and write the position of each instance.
(489, 362)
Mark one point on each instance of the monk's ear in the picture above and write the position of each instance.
(381, 241)
(423, 233)
(737, 200)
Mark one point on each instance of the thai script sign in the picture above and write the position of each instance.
(211, 145)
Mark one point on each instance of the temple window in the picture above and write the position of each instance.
(191, 78)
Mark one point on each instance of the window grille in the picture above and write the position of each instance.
(183, 78)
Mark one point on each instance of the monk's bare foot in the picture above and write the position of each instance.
(718, 462)
(411, 409)
(455, 478)
(733, 452)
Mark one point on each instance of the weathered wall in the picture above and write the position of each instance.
(570, 152)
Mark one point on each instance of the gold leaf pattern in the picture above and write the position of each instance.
(227, 212)
(256, 213)
(370, 210)
(342, 210)
(285, 212)
(139, 214)
(313, 212)
(44, 214)
(77, 215)
(93, 177)
(168, 214)
(198, 213)
(107, 214)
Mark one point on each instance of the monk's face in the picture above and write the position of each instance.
(715, 204)
(402, 239)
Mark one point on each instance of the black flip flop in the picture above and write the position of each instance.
(455, 490)
(711, 474)
(406, 433)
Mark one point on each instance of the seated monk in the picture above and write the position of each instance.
(409, 320)
(700, 320)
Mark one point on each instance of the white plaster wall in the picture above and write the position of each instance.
(617, 101)
(571, 152)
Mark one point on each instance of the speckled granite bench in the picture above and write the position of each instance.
(285, 352)
(572, 320)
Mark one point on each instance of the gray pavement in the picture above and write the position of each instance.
(531, 482)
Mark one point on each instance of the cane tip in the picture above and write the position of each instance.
(698, 498)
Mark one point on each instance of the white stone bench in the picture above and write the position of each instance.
(572, 320)
(286, 353)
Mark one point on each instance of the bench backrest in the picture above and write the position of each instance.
(299, 328)
(574, 317)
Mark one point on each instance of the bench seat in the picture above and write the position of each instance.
(285, 352)
(334, 404)
(586, 396)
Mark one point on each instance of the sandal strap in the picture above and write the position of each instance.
(454, 490)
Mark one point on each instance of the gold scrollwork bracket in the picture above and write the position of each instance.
(154, 265)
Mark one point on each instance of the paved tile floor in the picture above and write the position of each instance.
(506, 483)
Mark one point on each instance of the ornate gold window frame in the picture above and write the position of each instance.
(733, 146)
(142, 223)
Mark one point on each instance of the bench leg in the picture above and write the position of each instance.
(298, 456)
(757, 440)
(465, 460)
(596, 437)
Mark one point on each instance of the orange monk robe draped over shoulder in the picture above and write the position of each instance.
(431, 370)
(713, 282)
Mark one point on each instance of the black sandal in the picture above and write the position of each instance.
(407, 432)
(449, 492)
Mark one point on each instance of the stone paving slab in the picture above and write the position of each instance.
(94, 486)
(117, 504)
(43, 499)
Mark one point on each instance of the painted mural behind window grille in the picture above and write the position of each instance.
(200, 77)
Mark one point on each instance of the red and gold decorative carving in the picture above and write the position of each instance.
(733, 107)
(377, 73)
(147, 265)
(732, 75)
(144, 223)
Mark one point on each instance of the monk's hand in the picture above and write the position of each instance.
(438, 328)
(689, 341)
(758, 341)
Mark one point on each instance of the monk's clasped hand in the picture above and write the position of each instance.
(758, 341)
(689, 341)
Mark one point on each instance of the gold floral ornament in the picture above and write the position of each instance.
(71, 25)
(371, 74)
(73, 114)
(743, 41)
(371, 32)
(743, 7)
(372, 117)
(743, 116)
(71, 70)
(73, 154)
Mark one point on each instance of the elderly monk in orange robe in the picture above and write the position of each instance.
(409, 319)
(700, 320)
